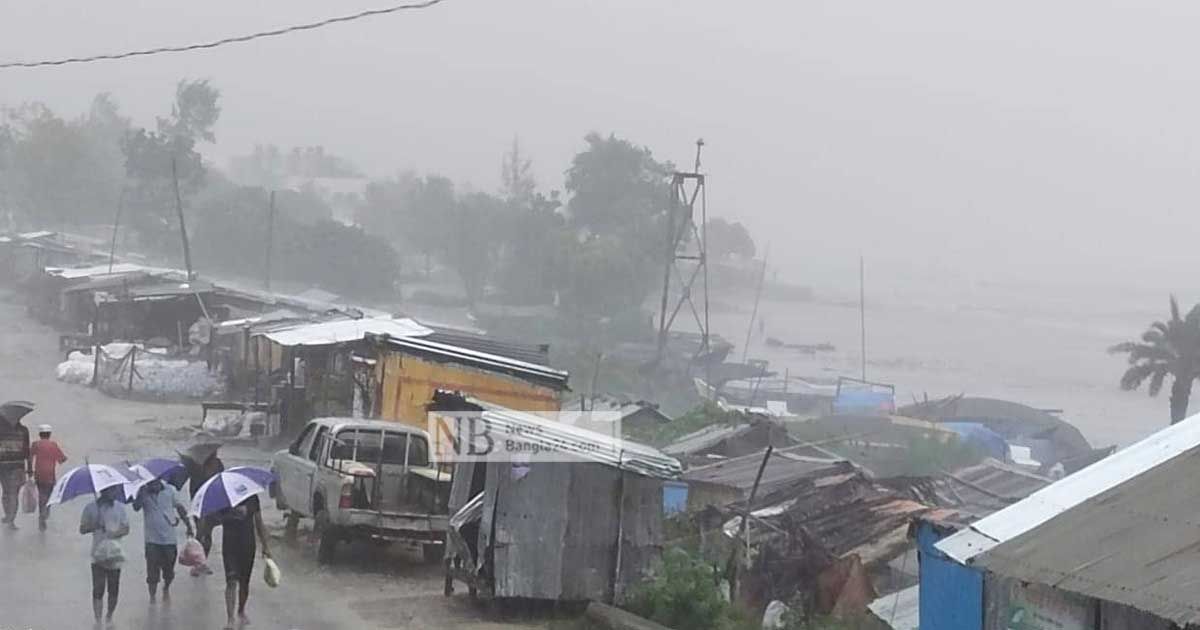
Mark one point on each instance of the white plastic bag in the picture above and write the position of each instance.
(271, 574)
(29, 497)
(108, 554)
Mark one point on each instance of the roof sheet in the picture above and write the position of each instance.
(704, 438)
(447, 352)
(900, 610)
(1123, 529)
(781, 468)
(581, 443)
(529, 353)
(75, 273)
(344, 330)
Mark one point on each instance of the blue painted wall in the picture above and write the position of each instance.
(951, 594)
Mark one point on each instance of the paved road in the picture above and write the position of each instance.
(44, 576)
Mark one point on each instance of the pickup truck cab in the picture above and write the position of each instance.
(364, 479)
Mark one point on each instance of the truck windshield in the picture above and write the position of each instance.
(365, 446)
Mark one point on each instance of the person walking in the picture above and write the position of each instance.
(15, 465)
(46, 455)
(106, 520)
(204, 526)
(162, 511)
(239, 526)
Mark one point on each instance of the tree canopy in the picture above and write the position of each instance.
(1167, 348)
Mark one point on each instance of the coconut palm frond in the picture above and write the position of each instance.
(1193, 316)
(1174, 309)
(1154, 335)
(1156, 380)
(1152, 353)
(1123, 347)
(1136, 375)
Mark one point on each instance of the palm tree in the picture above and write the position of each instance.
(1166, 348)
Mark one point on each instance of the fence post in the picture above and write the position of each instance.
(132, 358)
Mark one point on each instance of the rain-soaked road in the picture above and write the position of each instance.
(44, 576)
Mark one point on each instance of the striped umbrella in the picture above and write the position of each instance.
(149, 470)
(230, 488)
(89, 479)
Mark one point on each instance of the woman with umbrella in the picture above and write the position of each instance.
(229, 500)
(106, 520)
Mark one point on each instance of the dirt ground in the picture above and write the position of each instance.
(45, 580)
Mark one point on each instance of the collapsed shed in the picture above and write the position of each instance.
(582, 520)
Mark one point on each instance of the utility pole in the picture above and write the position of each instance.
(112, 250)
(686, 247)
(862, 313)
(187, 251)
(270, 238)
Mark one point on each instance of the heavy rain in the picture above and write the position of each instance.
(573, 315)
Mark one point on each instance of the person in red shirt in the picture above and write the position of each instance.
(46, 456)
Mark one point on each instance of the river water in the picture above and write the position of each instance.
(1040, 345)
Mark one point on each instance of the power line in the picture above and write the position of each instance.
(224, 41)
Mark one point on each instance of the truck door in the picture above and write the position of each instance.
(290, 469)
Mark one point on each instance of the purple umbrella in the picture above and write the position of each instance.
(149, 470)
(230, 488)
(90, 479)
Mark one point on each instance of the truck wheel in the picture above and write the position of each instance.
(432, 553)
(327, 546)
(291, 526)
(327, 535)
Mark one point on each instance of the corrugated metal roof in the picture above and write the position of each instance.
(95, 271)
(529, 353)
(900, 610)
(782, 468)
(581, 443)
(451, 353)
(343, 331)
(974, 491)
(704, 438)
(1123, 529)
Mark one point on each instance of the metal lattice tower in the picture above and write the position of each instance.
(686, 255)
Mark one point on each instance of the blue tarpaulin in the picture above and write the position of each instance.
(981, 437)
(675, 496)
(862, 401)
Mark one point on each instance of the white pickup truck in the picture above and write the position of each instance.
(366, 479)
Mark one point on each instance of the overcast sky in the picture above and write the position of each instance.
(987, 140)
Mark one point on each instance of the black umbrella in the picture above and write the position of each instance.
(13, 410)
(197, 454)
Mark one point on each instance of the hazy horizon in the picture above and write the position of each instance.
(988, 143)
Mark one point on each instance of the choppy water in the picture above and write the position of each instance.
(1041, 346)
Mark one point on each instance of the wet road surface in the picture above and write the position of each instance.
(45, 580)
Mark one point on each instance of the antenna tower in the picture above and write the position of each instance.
(686, 260)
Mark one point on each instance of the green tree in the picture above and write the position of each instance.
(149, 156)
(1170, 348)
(618, 203)
(470, 248)
(62, 172)
(728, 238)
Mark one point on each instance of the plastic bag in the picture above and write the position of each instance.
(271, 574)
(108, 554)
(192, 554)
(29, 497)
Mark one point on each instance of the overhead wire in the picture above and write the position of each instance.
(223, 41)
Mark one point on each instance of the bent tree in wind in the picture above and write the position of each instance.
(1166, 348)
